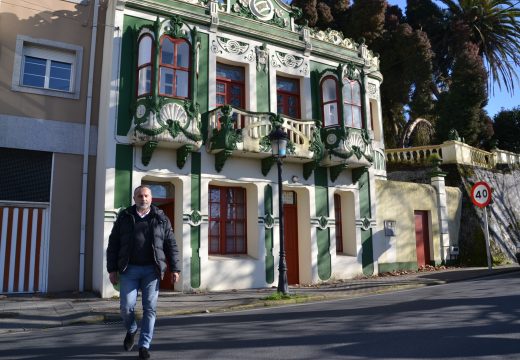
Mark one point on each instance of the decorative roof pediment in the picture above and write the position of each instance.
(273, 12)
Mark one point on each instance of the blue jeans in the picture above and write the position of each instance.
(131, 280)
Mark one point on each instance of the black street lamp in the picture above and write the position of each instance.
(278, 139)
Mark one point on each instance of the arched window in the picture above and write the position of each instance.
(352, 104)
(144, 66)
(174, 69)
(329, 101)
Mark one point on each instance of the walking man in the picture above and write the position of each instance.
(139, 246)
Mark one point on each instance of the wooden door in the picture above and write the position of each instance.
(168, 209)
(290, 218)
(422, 241)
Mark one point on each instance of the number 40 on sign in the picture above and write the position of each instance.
(481, 194)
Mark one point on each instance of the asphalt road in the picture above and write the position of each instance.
(475, 319)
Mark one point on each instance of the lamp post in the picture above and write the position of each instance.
(278, 139)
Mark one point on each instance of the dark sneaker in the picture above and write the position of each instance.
(128, 343)
(143, 353)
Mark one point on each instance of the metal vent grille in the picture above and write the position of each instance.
(25, 175)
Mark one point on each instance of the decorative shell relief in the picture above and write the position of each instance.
(355, 139)
(174, 112)
(156, 125)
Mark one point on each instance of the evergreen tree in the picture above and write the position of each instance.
(507, 129)
(460, 106)
(434, 59)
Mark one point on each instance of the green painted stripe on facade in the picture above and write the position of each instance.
(269, 257)
(320, 176)
(367, 257)
(321, 200)
(127, 72)
(195, 230)
(389, 267)
(123, 176)
(203, 83)
(195, 257)
(262, 91)
(324, 257)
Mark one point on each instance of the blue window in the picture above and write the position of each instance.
(47, 74)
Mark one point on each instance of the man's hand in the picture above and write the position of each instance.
(175, 277)
(113, 278)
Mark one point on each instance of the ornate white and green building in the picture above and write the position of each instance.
(191, 90)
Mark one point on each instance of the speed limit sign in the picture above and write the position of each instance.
(481, 194)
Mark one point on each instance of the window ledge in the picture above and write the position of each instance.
(230, 257)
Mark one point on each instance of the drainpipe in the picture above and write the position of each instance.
(86, 147)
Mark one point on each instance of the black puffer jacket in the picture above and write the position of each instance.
(121, 241)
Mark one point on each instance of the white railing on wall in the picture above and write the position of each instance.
(453, 152)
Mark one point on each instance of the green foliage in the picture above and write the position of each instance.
(421, 136)
(277, 296)
(507, 129)
(432, 58)
(460, 107)
(494, 27)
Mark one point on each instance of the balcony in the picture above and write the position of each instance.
(346, 147)
(166, 124)
(235, 132)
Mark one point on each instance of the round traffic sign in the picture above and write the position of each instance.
(481, 194)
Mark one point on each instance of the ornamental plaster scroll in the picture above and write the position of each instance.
(234, 48)
(306, 37)
(289, 63)
(213, 12)
(323, 222)
(372, 91)
(175, 25)
(149, 125)
(334, 37)
(350, 72)
(262, 10)
(262, 58)
(366, 223)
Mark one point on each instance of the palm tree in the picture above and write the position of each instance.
(494, 26)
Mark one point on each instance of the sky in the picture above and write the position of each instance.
(500, 99)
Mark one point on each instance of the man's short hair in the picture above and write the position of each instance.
(142, 187)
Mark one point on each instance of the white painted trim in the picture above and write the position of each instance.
(47, 47)
(44, 254)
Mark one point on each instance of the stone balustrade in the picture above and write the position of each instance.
(255, 126)
(454, 152)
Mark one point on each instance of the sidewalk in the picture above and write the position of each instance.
(30, 312)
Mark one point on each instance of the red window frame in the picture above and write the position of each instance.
(352, 104)
(222, 234)
(283, 97)
(175, 67)
(148, 64)
(228, 85)
(324, 103)
(339, 226)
